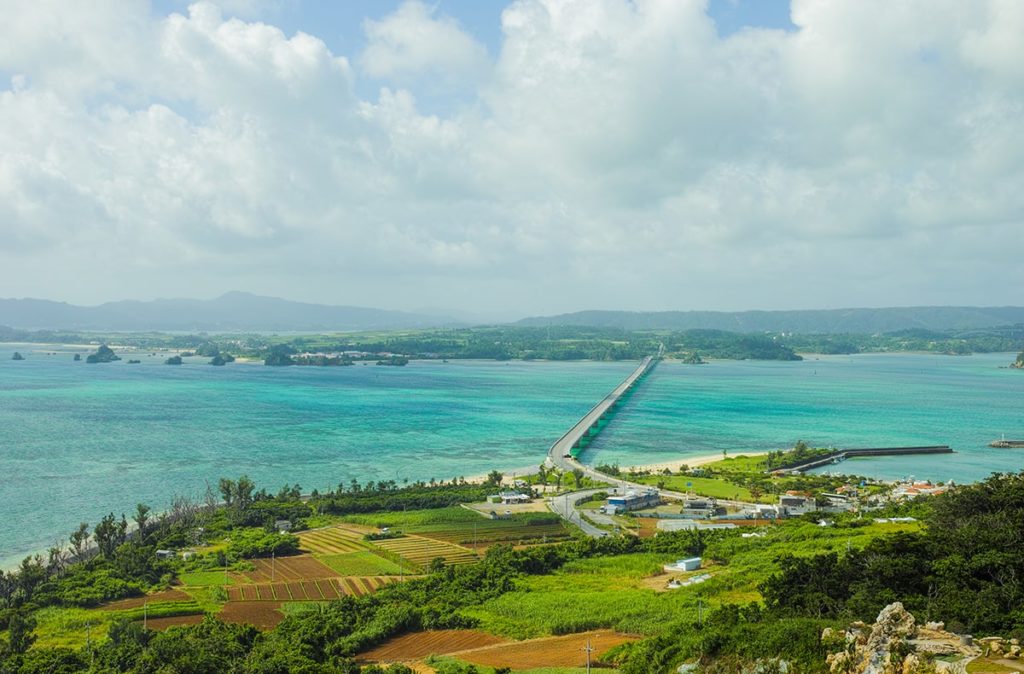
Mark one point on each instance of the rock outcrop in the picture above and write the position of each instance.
(895, 644)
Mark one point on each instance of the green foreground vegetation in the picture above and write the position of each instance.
(769, 595)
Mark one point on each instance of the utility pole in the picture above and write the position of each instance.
(588, 649)
(273, 567)
(145, 614)
(700, 611)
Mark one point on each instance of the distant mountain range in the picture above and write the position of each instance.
(231, 312)
(245, 312)
(811, 321)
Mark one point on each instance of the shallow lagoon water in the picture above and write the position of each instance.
(870, 400)
(79, 440)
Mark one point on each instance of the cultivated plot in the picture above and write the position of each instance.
(434, 642)
(333, 540)
(322, 589)
(422, 551)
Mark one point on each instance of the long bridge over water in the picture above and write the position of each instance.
(565, 451)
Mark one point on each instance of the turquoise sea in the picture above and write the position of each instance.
(868, 400)
(79, 440)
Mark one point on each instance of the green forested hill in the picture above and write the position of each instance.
(858, 321)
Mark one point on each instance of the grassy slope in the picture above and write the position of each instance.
(609, 592)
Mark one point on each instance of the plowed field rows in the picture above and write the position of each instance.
(332, 541)
(421, 644)
(261, 614)
(318, 589)
(299, 567)
(422, 551)
(566, 651)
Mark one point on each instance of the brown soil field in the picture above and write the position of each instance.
(136, 602)
(160, 624)
(565, 651)
(263, 615)
(299, 567)
(329, 590)
(421, 644)
(317, 589)
(648, 527)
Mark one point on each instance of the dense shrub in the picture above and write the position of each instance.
(250, 543)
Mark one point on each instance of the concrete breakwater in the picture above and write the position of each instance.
(841, 454)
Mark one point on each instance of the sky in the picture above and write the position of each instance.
(504, 159)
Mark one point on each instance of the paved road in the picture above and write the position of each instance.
(565, 506)
(559, 456)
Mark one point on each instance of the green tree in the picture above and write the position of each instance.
(79, 539)
(141, 519)
(577, 477)
(20, 636)
(227, 490)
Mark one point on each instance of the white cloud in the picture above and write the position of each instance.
(413, 42)
(617, 154)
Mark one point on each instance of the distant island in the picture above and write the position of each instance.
(104, 354)
(17, 356)
(552, 343)
(1019, 363)
(173, 360)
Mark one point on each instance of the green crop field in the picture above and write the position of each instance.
(363, 563)
(331, 541)
(422, 551)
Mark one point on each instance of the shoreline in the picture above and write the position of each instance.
(688, 461)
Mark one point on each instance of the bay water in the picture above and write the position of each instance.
(79, 440)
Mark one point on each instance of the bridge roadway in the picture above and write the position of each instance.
(560, 454)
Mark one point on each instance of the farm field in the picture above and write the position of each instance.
(160, 624)
(421, 551)
(365, 563)
(320, 589)
(334, 540)
(298, 567)
(564, 651)
(421, 644)
(485, 532)
(264, 615)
